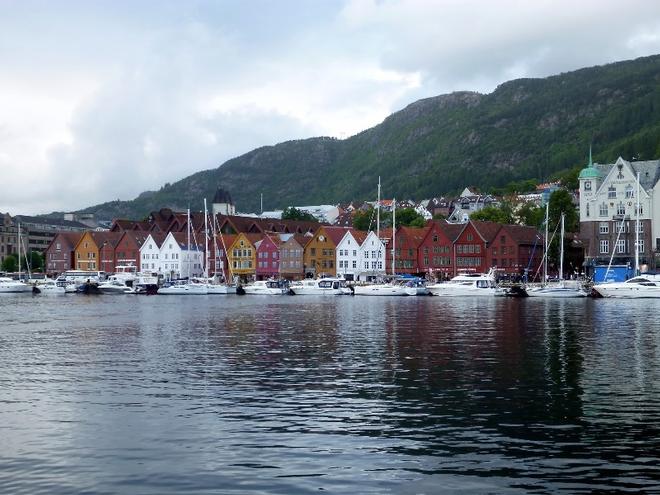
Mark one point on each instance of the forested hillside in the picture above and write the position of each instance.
(526, 128)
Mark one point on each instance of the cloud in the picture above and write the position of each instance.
(103, 101)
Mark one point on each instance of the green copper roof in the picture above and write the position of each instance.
(590, 172)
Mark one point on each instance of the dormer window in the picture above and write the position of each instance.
(629, 191)
(611, 192)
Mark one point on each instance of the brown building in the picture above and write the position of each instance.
(59, 255)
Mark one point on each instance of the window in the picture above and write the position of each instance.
(629, 192)
(603, 228)
(604, 246)
(354, 252)
(354, 264)
(435, 237)
(640, 228)
(611, 192)
(622, 246)
(603, 210)
(641, 210)
(621, 208)
(469, 236)
(640, 245)
(587, 212)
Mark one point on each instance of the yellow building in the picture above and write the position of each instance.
(242, 255)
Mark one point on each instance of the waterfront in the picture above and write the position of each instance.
(227, 394)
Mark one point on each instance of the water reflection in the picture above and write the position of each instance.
(290, 395)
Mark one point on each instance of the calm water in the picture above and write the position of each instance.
(227, 394)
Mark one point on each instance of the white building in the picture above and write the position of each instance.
(177, 261)
(323, 213)
(348, 254)
(150, 255)
(372, 257)
(609, 213)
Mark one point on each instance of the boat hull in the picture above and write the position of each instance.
(380, 290)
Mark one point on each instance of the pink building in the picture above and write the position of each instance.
(268, 257)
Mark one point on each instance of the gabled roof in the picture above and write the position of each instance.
(336, 234)
(451, 230)
(487, 230)
(413, 235)
(68, 238)
(182, 240)
(101, 238)
(522, 234)
(158, 238)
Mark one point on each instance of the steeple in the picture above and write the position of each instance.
(590, 172)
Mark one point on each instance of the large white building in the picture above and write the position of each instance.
(609, 212)
(172, 258)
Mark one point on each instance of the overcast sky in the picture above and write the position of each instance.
(103, 100)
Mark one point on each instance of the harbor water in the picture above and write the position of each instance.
(293, 395)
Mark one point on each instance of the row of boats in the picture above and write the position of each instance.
(465, 285)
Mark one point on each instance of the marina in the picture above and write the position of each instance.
(296, 395)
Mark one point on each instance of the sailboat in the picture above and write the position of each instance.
(384, 289)
(562, 288)
(639, 286)
(212, 287)
(10, 285)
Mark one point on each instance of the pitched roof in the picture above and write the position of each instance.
(414, 235)
(336, 234)
(522, 234)
(70, 238)
(101, 238)
(451, 230)
(487, 230)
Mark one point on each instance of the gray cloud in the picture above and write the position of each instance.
(103, 101)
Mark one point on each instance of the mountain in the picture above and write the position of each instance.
(526, 128)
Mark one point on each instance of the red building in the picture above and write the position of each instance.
(515, 249)
(59, 255)
(408, 242)
(127, 250)
(471, 246)
(435, 254)
(268, 257)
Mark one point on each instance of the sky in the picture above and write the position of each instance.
(102, 100)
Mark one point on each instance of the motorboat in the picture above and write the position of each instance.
(467, 284)
(642, 286)
(48, 287)
(562, 289)
(267, 287)
(213, 287)
(115, 286)
(381, 290)
(8, 285)
(322, 286)
(415, 286)
(184, 289)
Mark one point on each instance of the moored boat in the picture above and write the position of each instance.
(322, 286)
(642, 286)
(381, 290)
(9, 285)
(467, 284)
(267, 288)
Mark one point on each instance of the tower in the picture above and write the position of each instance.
(222, 203)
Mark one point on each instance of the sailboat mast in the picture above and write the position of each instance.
(19, 250)
(206, 242)
(545, 260)
(561, 250)
(378, 211)
(637, 231)
(188, 231)
(393, 236)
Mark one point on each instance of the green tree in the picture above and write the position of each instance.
(439, 216)
(10, 263)
(561, 201)
(36, 260)
(409, 218)
(364, 220)
(499, 214)
(292, 213)
(531, 215)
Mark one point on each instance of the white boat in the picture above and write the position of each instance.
(266, 288)
(415, 286)
(49, 287)
(380, 290)
(467, 284)
(115, 286)
(563, 288)
(9, 285)
(184, 289)
(642, 286)
(322, 286)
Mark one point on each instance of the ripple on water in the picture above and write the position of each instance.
(293, 395)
